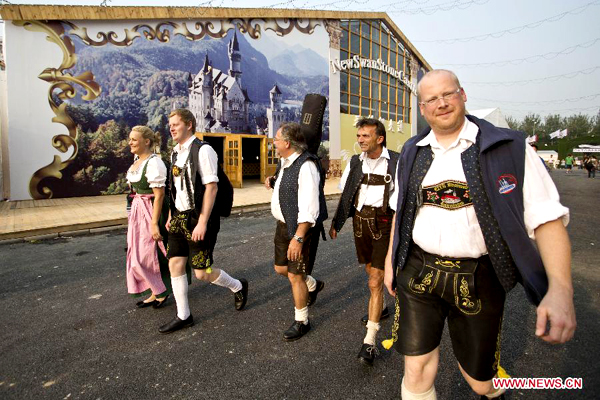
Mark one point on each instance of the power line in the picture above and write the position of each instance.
(545, 79)
(546, 111)
(498, 34)
(457, 4)
(574, 99)
(530, 59)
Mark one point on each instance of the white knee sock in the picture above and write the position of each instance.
(301, 315)
(408, 395)
(227, 281)
(311, 283)
(372, 329)
(180, 292)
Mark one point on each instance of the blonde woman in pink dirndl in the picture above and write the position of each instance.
(147, 266)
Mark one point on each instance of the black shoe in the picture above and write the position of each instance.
(159, 304)
(385, 313)
(367, 353)
(241, 296)
(176, 324)
(312, 296)
(296, 331)
(142, 304)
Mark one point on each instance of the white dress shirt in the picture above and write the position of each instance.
(308, 191)
(156, 172)
(208, 171)
(456, 233)
(371, 195)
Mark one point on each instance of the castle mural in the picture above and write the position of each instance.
(235, 80)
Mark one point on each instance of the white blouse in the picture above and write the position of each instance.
(156, 172)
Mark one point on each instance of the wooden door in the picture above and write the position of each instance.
(233, 159)
(268, 159)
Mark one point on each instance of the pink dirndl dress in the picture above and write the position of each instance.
(143, 267)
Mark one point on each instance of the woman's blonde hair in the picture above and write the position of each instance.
(147, 133)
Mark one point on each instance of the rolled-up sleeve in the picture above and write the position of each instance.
(308, 193)
(208, 165)
(540, 196)
(156, 172)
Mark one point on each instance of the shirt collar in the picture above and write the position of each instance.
(384, 153)
(186, 145)
(288, 161)
(468, 132)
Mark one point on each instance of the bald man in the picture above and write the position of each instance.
(470, 198)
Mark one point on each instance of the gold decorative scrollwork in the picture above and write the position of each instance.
(447, 263)
(61, 86)
(61, 83)
(161, 32)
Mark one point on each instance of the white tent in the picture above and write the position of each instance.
(491, 115)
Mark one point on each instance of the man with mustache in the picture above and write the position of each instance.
(368, 186)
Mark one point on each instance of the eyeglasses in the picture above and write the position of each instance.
(446, 96)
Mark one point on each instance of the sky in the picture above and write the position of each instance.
(523, 56)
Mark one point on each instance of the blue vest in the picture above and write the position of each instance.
(502, 154)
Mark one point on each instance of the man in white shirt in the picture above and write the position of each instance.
(368, 185)
(470, 198)
(193, 221)
(298, 205)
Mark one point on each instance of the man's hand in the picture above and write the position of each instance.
(388, 278)
(199, 231)
(332, 232)
(168, 224)
(155, 232)
(268, 182)
(557, 309)
(294, 250)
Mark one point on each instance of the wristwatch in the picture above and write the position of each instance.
(300, 239)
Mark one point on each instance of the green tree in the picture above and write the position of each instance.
(532, 124)
(578, 125)
(552, 123)
(513, 123)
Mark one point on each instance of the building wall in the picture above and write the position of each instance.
(74, 89)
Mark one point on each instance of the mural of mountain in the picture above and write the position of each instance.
(306, 62)
(116, 67)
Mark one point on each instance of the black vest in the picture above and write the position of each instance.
(288, 193)
(345, 207)
(502, 152)
(191, 176)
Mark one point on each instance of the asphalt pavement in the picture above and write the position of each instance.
(70, 330)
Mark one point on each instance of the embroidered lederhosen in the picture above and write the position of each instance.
(200, 254)
(371, 216)
(453, 279)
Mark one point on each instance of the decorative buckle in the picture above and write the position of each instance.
(387, 178)
(176, 171)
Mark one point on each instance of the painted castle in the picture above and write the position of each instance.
(220, 103)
